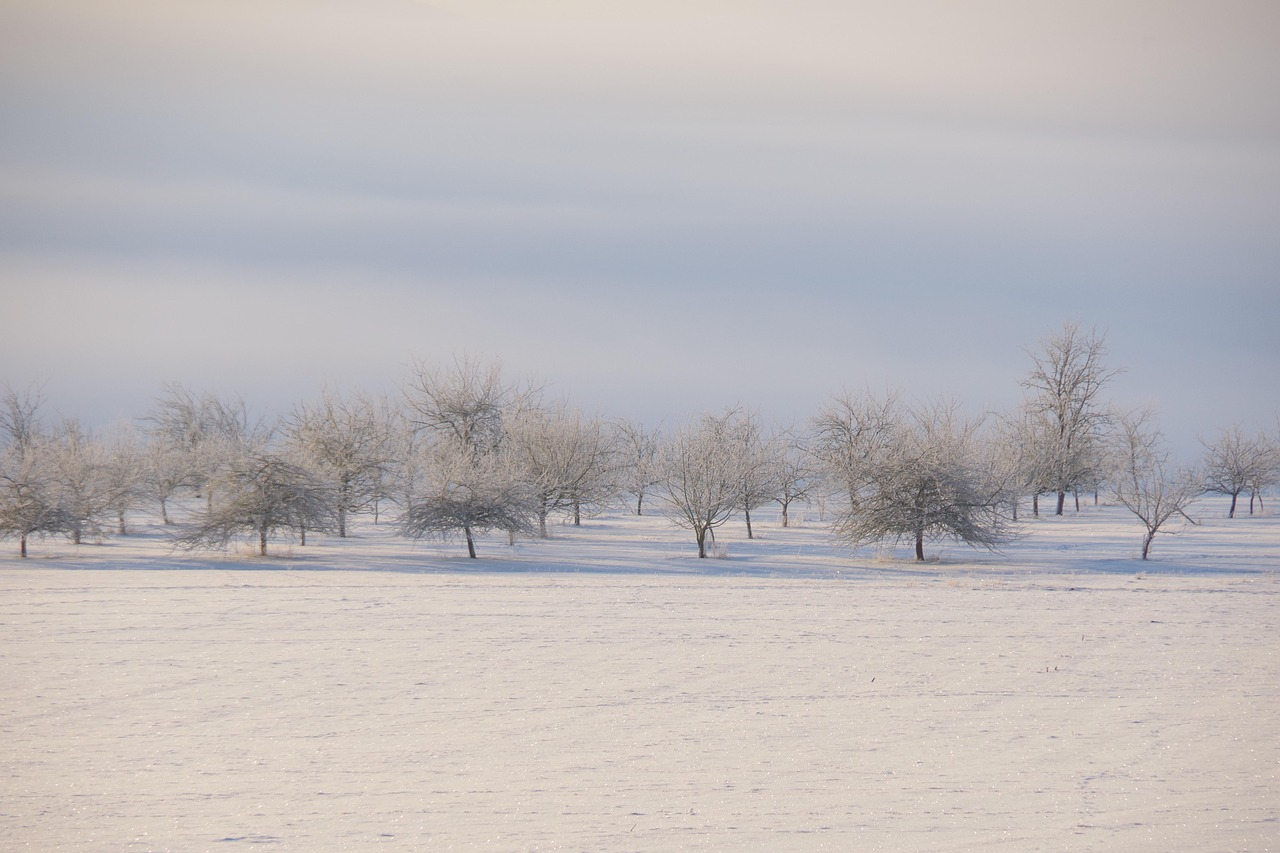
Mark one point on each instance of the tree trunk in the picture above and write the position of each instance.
(302, 531)
(640, 504)
(577, 514)
(120, 526)
(701, 535)
(1146, 543)
(1062, 500)
(22, 546)
(1076, 495)
(785, 521)
(1231, 513)
(75, 536)
(164, 512)
(1035, 505)
(471, 545)
(920, 545)
(262, 541)
(342, 522)
(747, 513)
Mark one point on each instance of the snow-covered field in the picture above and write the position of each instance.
(607, 690)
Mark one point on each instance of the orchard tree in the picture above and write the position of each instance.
(78, 466)
(566, 460)
(463, 494)
(701, 477)
(30, 501)
(1144, 481)
(851, 435)
(929, 479)
(203, 434)
(1065, 386)
(757, 462)
(124, 470)
(348, 444)
(793, 472)
(470, 481)
(261, 495)
(638, 451)
(469, 404)
(1235, 463)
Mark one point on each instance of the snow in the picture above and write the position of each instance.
(607, 690)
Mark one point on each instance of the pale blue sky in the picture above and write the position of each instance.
(656, 207)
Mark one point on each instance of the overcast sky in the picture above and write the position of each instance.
(656, 207)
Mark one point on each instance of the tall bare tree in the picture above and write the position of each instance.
(1065, 386)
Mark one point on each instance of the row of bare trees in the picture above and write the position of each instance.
(466, 450)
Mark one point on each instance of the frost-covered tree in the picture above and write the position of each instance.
(470, 481)
(927, 477)
(203, 434)
(30, 503)
(701, 477)
(463, 494)
(849, 437)
(564, 457)
(262, 496)
(348, 443)
(1065, 385)
(1145, 482)
(79, 466)
(124, 469)
(637, 468)
(469, 403)
(1023, 457)
(793, 474)
(1235, 463)
(758, 462)
(30, 500)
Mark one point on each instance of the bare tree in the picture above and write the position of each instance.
(565, 458)
(348, 444)
(1235, 463)
(1065, 385)
(261, 495)
(203, 433)
(78, 466)
(928, 479)
(638, 460)
(465, 494)
(758, 465)
(469, 404)
(1024, 458)
(793, 473)
(1145, 482)
(850, 437)
(701, 477)
(30, 501)
(124, 470)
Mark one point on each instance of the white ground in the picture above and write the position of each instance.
(606, 690)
